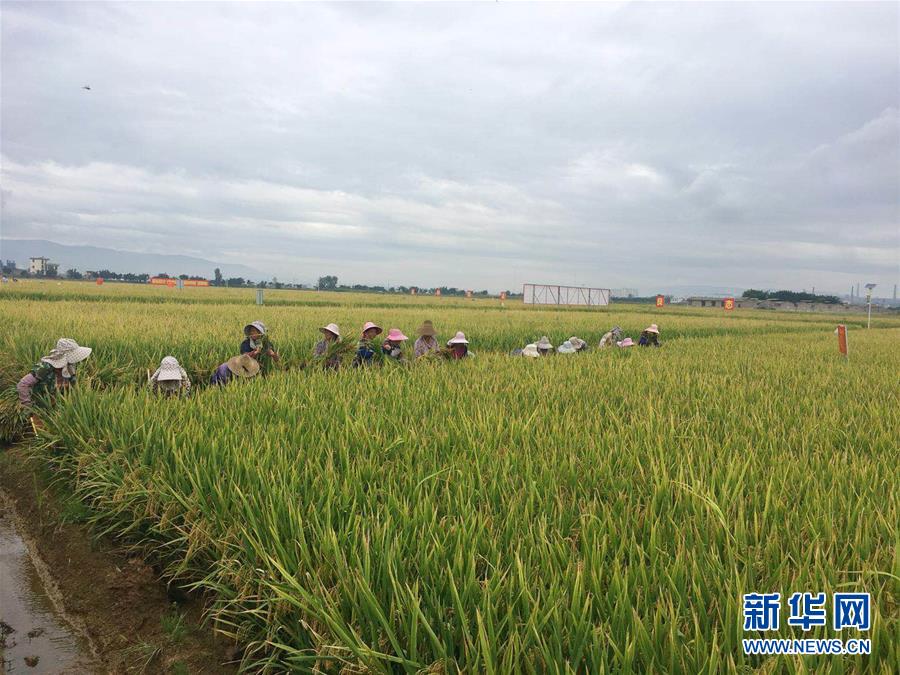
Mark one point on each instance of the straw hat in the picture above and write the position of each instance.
(652, 329)
(331, 328)
(530, 350)
(627, 342)
(258, 325)
(66, 352)
(566, 348)
(243, 366)
(396, 334)
(578, 343)
(544, 343)
(169, 369)
(458, 339)
(368, 324)
(426, 329)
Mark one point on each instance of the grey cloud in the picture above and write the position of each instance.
(475, 145)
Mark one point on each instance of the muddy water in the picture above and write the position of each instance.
(34, 637)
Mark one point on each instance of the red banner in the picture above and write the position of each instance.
(728, 304)
(660, 301)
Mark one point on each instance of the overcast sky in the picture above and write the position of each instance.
(471, 145)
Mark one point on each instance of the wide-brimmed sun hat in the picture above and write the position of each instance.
(530, 350)
(243, 365)
(397, 335)
(331, 328)
(544, 343)
(458, 339)
(652, 329)
(627, 342)
(368, 324)
(66, 352)
(577, 342)
(258, 325)
(566, 348)
(426, 329)
(169, 369)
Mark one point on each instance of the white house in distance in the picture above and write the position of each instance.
(42, 267)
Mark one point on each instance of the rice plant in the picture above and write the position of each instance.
(587, 513)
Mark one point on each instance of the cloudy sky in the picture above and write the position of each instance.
(472, 145)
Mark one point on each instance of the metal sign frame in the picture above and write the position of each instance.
(554, 294)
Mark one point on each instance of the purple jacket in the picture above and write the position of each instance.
(221, 375)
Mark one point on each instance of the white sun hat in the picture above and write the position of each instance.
(66, 352)
(458, 339)
(531, 350)
(566, 348)
(169, 370)
(331, 328)
(544, 343)
(258, 325)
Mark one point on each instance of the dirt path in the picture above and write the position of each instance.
(129, 619)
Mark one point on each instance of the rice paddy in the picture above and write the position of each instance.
(599, 512)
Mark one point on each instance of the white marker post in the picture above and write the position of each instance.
(259, 296)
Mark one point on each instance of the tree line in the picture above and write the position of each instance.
(790, 296)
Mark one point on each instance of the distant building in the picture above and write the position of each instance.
(705, 301)
(42, 267)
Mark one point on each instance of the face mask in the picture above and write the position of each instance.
(68, 371)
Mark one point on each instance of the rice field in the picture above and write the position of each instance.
(600, 512)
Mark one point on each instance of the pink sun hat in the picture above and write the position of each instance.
(458, 339)
(396, 334)
(369, 325)
(627, 342)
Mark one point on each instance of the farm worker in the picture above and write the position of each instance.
(427, 340)
(258, 345)
(544, 347)
(531, 351)
(54, 372)
(611, 337)
(627, 342)
(649, 336)
(566, 348)
(365, 350)
(331, 335)
(393, 346)
(239, 366)
(459, 346)
(579, 344)
(170, 379)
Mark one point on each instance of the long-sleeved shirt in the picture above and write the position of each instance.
(364, 353)
(41, 378)
(648, 339)
(425, 345)
(392, 351)
(263, 345)
(321, 349)
(222, 375)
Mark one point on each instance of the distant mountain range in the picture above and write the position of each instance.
(85, 258)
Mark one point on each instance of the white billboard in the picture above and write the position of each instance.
(553, 294)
